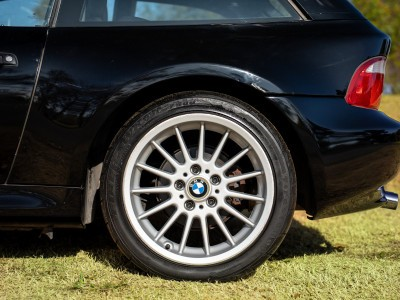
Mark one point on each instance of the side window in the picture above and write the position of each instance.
(153, 11)
(23, 13)
(192, 11)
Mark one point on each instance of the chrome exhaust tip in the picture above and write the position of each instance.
(389, 200)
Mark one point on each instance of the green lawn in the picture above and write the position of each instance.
(349, 257)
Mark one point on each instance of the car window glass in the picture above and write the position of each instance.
(23, 13)
(181, 11)
(153, 11)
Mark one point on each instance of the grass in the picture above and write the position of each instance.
(391, 106)
(348, 257)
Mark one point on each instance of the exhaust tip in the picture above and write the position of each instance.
(389, 200)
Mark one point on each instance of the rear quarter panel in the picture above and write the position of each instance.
(90, 73)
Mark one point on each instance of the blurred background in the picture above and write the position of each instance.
(385, 14)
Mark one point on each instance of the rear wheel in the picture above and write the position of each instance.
(199, 186)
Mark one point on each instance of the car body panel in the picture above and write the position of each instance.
(353, 147)
(16, 87)
(39, 203)
(80, 87)
(93, 78)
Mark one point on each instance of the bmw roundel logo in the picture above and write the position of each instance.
(198, 188)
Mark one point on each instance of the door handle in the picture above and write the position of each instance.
(8, 59)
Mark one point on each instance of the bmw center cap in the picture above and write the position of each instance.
(198, 189)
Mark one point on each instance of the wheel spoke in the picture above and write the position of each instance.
(156, 209)
(235, 159)
(204, 231)
(245, 196)
(238, 215)
(152, 190)
(166, 155)
(224, 229)
(155, 171)
(182, 143)
(221, 145)
(244, 176)
(185, 235)
(200, 155)
(167, 225)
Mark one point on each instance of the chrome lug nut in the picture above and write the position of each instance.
(190, 205)
(212, 202)
(179, 185)
(195, 169)
(215, 179)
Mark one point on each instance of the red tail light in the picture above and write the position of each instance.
(366, 86)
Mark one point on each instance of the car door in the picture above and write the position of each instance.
(23, 30)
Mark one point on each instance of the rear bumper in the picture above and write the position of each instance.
(351, 152)
(375, 199)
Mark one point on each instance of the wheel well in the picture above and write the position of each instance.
(255, 98)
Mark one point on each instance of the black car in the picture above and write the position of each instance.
(198, 125)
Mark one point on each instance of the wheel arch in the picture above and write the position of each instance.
(242, 89)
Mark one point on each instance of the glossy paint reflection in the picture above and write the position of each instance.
(93, 79)
(357, 148)
(16, 85)
(82, 88)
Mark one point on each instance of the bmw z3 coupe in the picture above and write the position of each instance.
(198, 125)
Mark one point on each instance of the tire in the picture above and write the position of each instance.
(198, 186)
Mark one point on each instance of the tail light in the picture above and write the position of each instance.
(366, 86)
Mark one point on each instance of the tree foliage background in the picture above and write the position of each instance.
(385, 14)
